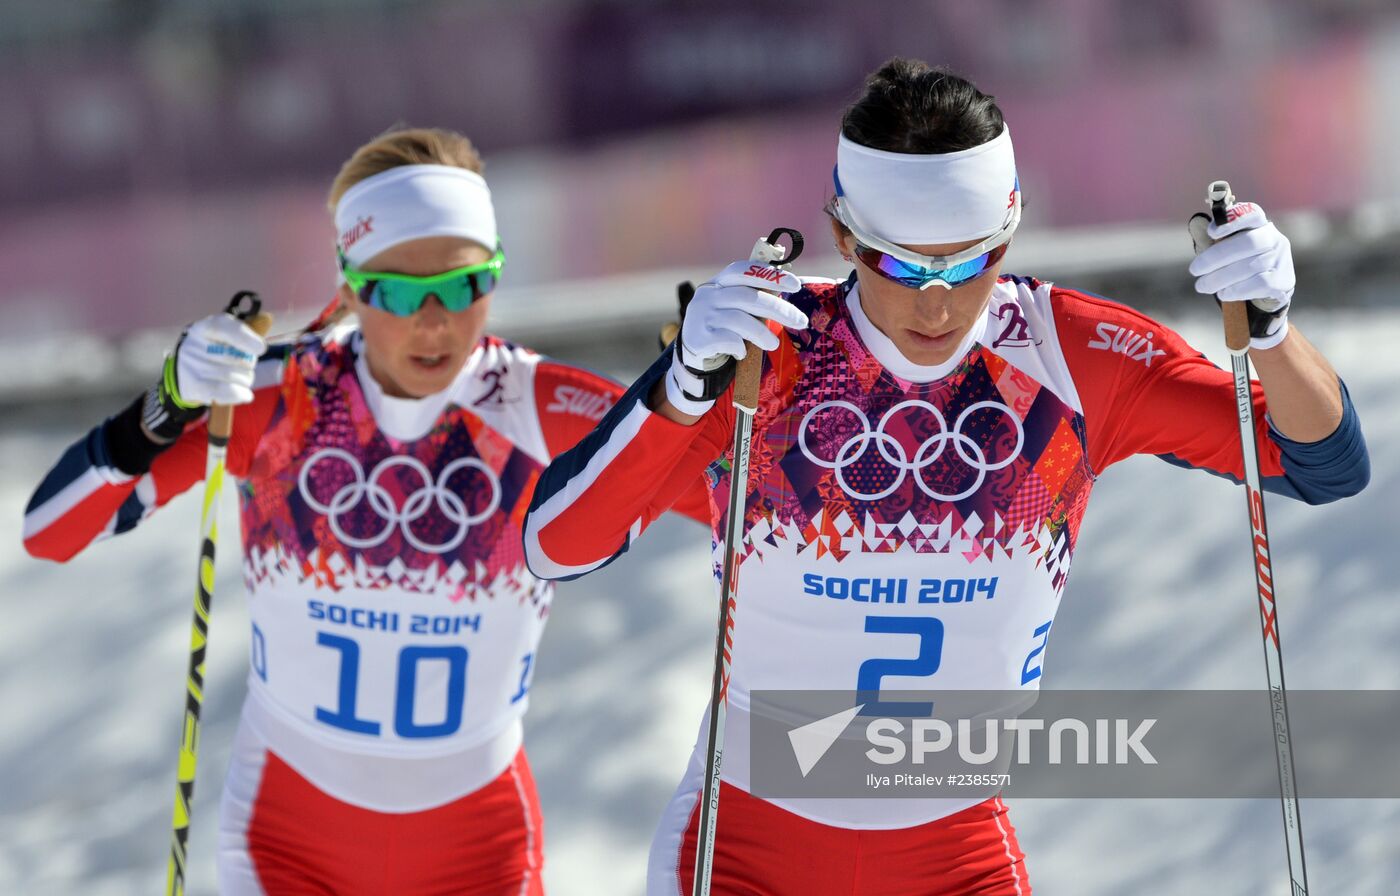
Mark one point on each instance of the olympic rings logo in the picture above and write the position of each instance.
(928, 453)
(431, 492)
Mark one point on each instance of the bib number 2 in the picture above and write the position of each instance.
(930, 633)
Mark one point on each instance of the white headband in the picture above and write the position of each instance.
(921, 199)
(413, 201)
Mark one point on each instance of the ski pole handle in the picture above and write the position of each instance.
(247, 307)
(746, 377)
(1236, 315)
(1220, 197)
(750, 367)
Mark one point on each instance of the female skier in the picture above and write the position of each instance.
(385, 469)
(926, 438)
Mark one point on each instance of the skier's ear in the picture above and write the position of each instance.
(845, 242)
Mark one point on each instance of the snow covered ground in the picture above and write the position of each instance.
(92, 660)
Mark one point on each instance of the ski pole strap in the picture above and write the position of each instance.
(714, 380)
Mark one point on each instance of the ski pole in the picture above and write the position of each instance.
(1236, 316)
(247, 307)
(746, 378)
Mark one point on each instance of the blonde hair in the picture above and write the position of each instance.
(404, 146)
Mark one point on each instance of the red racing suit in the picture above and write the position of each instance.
(908, 527)
(394, 623)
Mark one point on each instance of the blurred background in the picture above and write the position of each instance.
(156, 156)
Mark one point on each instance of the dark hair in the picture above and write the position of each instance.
(911, 107)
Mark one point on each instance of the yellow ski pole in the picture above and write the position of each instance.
(220, 426)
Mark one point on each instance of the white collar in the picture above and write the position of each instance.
(888, 354)
(408, 419)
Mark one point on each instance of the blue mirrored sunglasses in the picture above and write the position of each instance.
(917, 276)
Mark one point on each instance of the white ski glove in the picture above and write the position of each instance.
(726, 312)
(212, 364)
(1252, 262)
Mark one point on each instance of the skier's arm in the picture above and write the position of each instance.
(1303, 392)
(110, 480)
(571, 401)
(650, 450)
(1144, 390)
(595, 498)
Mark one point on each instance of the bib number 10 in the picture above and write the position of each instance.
(405, 693)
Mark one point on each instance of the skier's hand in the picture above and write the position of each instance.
(1250, 261)
(214, 361)
(726, 313)
(212, 364)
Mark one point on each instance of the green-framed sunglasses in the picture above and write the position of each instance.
(403, 294)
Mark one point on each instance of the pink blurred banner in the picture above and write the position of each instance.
(1304, 129)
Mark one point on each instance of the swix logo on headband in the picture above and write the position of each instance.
(363, 227)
